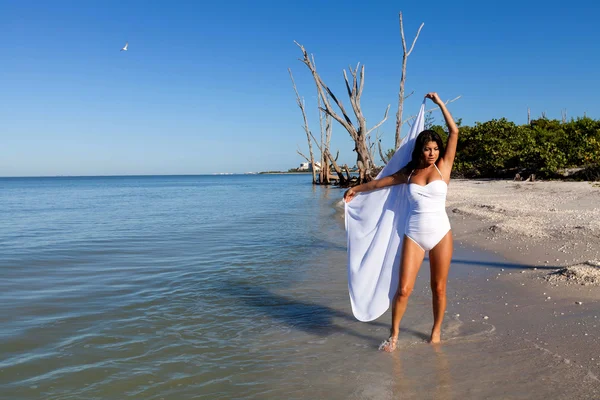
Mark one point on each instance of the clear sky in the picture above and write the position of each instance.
(204, 86)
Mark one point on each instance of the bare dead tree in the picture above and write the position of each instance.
(300, 103)
(359, 132)
(528, 116)
(563, 114)
(401, 98)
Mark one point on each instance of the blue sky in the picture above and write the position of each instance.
(204, 88)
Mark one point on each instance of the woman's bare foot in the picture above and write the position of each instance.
(435, 337)
(389, 344)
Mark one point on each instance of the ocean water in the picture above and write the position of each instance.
(232, 287)
(159, 286)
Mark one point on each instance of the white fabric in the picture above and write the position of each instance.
(375, 223)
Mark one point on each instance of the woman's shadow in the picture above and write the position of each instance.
(315, 319)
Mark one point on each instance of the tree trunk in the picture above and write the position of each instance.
(342, 179)
(401, 98)
(300, 103)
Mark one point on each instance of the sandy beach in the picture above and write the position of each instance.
(534, 223)
(548, 295)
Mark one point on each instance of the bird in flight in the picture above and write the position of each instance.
(125, 47)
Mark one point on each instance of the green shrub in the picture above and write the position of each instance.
(500, 148)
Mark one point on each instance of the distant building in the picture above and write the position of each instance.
(306, 166)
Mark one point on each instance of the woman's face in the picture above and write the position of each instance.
(431, 152)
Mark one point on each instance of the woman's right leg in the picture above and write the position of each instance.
(410, 262)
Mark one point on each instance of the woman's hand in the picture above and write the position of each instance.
(349, 195)
(435, 98)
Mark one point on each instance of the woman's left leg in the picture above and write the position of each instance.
(439, 260)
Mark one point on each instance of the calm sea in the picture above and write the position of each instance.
(230, 287)
(165, 286)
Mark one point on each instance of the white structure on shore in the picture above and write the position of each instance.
(306, 166)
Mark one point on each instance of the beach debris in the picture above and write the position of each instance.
(494, 228)
(486, 317)
(531, 178)
(578, 303)
(587, 273)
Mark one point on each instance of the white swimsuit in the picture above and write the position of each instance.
(427, 222)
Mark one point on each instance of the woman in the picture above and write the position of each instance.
(427, 227)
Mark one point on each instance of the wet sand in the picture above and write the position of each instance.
(500, 340)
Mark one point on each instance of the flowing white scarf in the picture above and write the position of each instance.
(375, 224)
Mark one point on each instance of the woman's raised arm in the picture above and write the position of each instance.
(448, 159)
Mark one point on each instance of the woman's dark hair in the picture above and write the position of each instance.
(424, 137)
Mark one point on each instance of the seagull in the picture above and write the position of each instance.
(125, 47)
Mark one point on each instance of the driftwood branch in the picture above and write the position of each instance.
(381, 155)
(404, 41)
(405, 53)
(325, 93)
(303, 156)
(352, 92)
(324, 175)
(342, 179)
(380, 122)
(300, 103)
(370, 146)
(316, 142)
